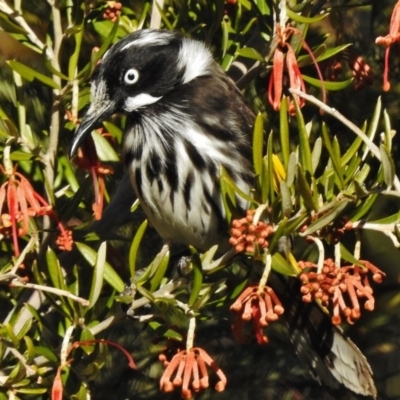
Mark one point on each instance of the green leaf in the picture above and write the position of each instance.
(387, 165)
(291, 169)
(159, 273)
(281, 265)
(302, 19)
(19, 155)
(133, 251)
(330, 52)
(286, 199)
(30, 74)
(55, 272)
(316, 154)
(304, 147)
(347, 256)
(98, 273)
(73, 59)
(388, 131)
(305, 190)
(333, 155)
(249, 52)
(197, 277)
(115, 131)
(277, 234)
(258, 144)
(110, 276)
(104, 150)
(328, 216)
(328, 85)
(87, 336)
(284, 132)
(269, 175)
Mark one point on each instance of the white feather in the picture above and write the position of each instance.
(141, 100)
(194, 59)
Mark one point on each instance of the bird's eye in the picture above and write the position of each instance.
(131, 76)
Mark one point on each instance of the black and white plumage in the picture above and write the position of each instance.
(185, 119)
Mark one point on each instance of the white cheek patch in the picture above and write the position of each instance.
(141, 100)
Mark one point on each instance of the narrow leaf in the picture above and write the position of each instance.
(284, 131)
(98, 273)
(258, 144)
(110, 276)
(30, 74)
(197, 277)
(387, 165)
(305, 191)
(331, 86)
(304, 148)
(133, 251)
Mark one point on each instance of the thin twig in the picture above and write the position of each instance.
(18, 283)
(267, 271)
(155, 19)
(340, 117)
(190, 332)
(321, 252)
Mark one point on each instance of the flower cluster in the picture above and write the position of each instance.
(340, 288)
(277, 78)
(87, 159)
(112, 11)
(262, 306)
(191, 370)
(19, 202)
(392, 37)
(360, 70)
(245, 235)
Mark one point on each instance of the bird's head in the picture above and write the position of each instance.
(138, 71)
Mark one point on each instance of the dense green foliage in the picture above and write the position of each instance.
(61, 294)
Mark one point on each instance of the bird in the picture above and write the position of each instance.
(185, 120)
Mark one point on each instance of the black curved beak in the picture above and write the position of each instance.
(96, 114)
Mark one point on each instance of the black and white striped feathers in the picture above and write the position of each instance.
(185, 120)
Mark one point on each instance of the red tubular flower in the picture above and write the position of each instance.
(190, 371)
(262, 306)
(87, 159)
(340, 288)
(18, 203)
(276, 81)
(388, 40)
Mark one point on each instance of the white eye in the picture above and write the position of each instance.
(131, 76)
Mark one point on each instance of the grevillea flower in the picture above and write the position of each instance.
(112, 11)
(190, 370)
(245, 235)
(87, 159)
(362, 73)
(57, 388)
(291, 72)
(392, 37)
(340, 288)
(261, 306)
(19, 202)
